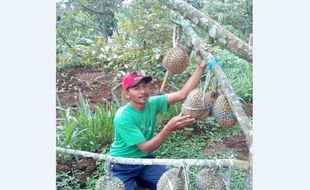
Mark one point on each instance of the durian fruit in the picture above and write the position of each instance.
(176, 60)
(212, 96)
(109, 182)
(223, 113)
(194, 105)
(172, 179)
(209, 179)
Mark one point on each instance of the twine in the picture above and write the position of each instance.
(186, 176)
(108, 168)
(213, 62)
(197, 109)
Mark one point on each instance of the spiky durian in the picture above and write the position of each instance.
(176, 60)
(209, 179)
(107, 182)
(172, 179)
(223, 113)
(195, 106)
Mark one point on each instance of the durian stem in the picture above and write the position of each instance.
(164, 82)
(207, 84)
(174, 41)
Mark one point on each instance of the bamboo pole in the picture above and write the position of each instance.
(171, 162)
(215, 30)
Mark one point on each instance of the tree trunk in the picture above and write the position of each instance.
(215, 30)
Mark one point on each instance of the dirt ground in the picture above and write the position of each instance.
(97, 87)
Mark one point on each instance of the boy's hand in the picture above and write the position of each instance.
(199, 57)
(179, 122)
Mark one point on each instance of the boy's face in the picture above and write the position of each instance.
(139, 93)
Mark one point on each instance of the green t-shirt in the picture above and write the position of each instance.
(132, 127)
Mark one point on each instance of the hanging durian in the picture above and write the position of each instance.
(172, 179)
(176, 60)
(223, 113)
(109, 182)
(195, 106)
(209, 179)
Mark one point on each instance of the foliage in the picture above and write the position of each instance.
(238, 71)
(142, 33)
(238, 177)
(143, 30)
(84, 129)
(65, 181)
(235, 16)
(198, 4)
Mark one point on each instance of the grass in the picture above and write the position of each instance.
(85, 128)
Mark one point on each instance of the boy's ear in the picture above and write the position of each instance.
(127, 96)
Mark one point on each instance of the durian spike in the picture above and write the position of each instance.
(164, 82)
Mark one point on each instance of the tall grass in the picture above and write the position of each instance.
(84, 128)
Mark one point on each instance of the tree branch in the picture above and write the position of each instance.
(64, 39)
(90, 9)
(215, 30)
(244, 121)
(88, 26)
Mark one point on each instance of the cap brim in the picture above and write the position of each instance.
(145, 79)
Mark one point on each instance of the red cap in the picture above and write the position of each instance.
(132, 79)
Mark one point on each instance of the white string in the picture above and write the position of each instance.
(188, 170)
(174, 43)
(227, 177)
(197, 109)
(205, 88)
(186, 177)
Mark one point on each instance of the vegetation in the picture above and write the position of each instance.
(85, 129)
(123, 37)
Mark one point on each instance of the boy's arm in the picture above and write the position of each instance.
(176, 123)
(190, 84)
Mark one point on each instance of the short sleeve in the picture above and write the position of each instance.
(161, 103)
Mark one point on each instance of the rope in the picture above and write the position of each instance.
(186, 176)
(213, 62)
(108, 168)
(227, 178)
(197, 109)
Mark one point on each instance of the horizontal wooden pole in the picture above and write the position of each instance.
(170, 162)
